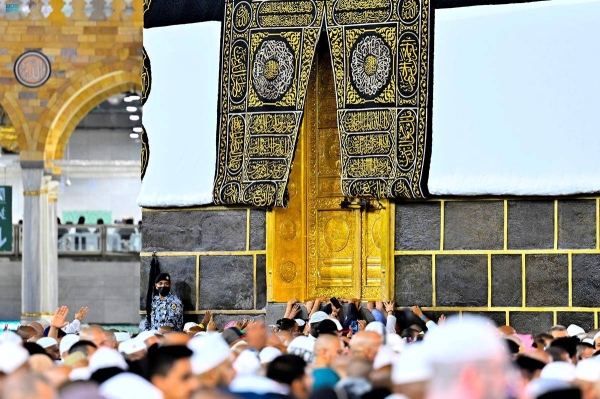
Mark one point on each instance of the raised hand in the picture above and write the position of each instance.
(309, 305)
(389, 306)
(292, 301)
(207, 317)
(211, 326)
(442, 320)
(417, 311)
(81, 314)
(295, 311)
(362, 324)
(58, 320)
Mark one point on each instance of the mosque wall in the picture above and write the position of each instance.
(215, 255)
(525, 262)
(528, 263)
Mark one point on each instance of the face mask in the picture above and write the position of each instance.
(163, 291)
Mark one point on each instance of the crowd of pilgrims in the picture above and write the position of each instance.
(340, 350)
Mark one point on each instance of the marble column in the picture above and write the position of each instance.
(44, 238)
(52, 248)
(31, 276)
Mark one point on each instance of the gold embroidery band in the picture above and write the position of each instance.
(31, 193)
(31, 315)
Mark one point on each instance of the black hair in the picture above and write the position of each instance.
(408, 333)
(512, 346)
(557, 353)
(569, 344)
(82, 346)
(286, 324)
(106, 374)
(81, 220)
(285, 369)
(35, 349)
(161, 360)
(327, 327)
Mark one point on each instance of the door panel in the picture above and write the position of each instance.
(316, 248)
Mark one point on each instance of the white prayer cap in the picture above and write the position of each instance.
(129, 386)
(561, 371)
(338, 324)
(210, 350)
(132, 346)
(67, 342)
(588, 370)
(189, 325)
(469, 339)
(302, 346)
(395, 342)
(10, 337)
(588, 341)
(144, 335)
(596, 337)
(385, 357)
(46, 342)
(122, 336)
(318, 317)
(412, 366)
(300, 322)
(105, 358)
(268, 354)
(12, 357)
(247, 363)
(376, 326)
(574, 331)
(80, 374)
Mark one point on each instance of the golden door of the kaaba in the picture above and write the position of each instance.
(316, 248)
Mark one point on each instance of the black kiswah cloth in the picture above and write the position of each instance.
(154, 272)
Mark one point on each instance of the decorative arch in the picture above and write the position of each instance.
(17, 118)
(78, 96)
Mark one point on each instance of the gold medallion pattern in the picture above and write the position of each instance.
(288, 271)
(380, 58)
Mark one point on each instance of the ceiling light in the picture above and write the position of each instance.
(134, 117)
(137, 129)
(127, 99)
(134, 135)
(134, 98)
(131, 109)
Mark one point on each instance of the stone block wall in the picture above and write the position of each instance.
(216, 257)
(527, 263)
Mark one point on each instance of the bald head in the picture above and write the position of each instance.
(366, 344)
(176, 338)
(507, 330)
(26, 332)
(39, 329)
(110, 339)
(93, 334)
(328, 348)
(27, 386)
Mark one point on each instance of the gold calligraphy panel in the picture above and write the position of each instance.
(379, 52)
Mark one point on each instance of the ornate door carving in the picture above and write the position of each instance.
(316, 248)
